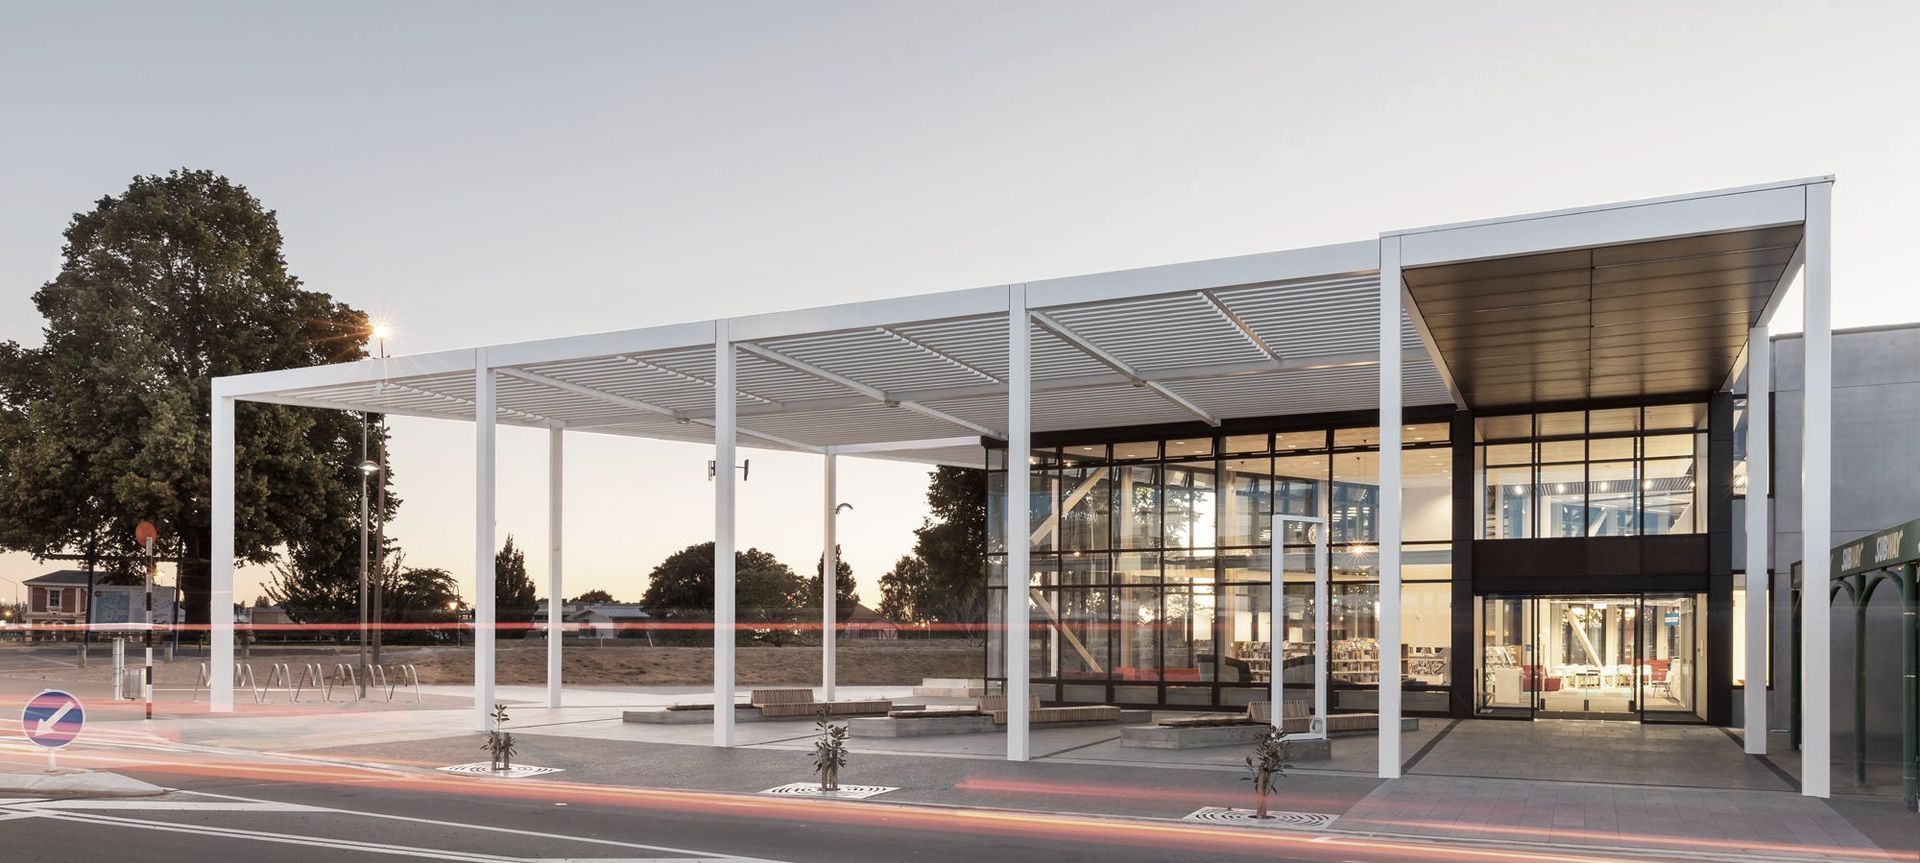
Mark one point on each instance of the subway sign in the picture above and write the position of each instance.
(1888, 548)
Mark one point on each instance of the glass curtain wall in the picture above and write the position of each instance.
(1632, 471)
(1152, 567)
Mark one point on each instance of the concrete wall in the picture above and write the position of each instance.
(1876, 466)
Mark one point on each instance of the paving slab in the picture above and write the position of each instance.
(75, 783)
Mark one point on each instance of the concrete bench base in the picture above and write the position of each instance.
(1203, 736)
(924, 691)
(950, 687)
(835, 709)
(1189, 737)
(687, 717)
(1124, 716)
(927, 726)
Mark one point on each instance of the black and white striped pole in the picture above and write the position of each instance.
(147, 534)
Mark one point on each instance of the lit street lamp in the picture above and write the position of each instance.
(370, 468)
(380, 333)
(367, 470)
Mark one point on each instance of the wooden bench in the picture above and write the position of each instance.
(799, 702)
(1297, 721)
(996, 707)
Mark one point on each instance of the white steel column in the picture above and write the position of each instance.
(1277, 623)
(1816, 501)
(1759, 533)
(483, 596)
(1322, 609)
(220, 597)
(829, 582)
(723, 611)
(1387, 520)
(555, 632)
(1019, 516)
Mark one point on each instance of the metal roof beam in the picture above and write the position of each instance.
(939, 354)
(1412, 310)
(589, 392)
(871, 392)
(642, 406)
(692, 379)
(902, 445)
(1110, 361)
(544, 421)
(1212, 371)
(1239, 323)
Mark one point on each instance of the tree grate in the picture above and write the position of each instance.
(1244, 818)
(846, 792)
(482, 768)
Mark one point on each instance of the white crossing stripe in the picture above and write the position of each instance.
(163, 805)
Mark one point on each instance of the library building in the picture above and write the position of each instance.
(1494, 470)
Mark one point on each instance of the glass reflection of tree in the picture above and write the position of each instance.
(1183, 507)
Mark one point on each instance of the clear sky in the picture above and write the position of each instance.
(480, 173)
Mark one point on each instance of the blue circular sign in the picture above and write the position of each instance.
(52, 718)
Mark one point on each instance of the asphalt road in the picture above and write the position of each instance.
(39, 657)
(370, 817)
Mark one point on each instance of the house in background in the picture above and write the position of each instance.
(594, 620)
(611, 620)
(866, 623)
(56, 599)
(59, 600)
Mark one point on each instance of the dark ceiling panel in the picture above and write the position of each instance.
(1665, 318)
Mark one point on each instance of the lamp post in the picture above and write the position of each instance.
(367, 470)
(16, 605)
(380, 333)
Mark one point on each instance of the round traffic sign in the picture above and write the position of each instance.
(145, 532)
(52, 718)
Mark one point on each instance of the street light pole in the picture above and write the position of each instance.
(360, 673)
(380, 513)
(367, 470)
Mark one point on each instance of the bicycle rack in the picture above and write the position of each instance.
(243, 676)
(409, 676)
(343, 673)
(311, 676)
(282, 676)
(377, 677)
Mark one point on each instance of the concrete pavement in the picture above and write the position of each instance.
(1081, 772)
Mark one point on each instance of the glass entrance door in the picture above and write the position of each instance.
(1674, 636)
(1619, 656)
(1588, 652)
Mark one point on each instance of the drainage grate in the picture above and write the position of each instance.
(846, 792)
(1244, 818)
(482, 768)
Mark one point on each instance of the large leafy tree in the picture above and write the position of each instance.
(845, 593)
(419, 596)
(513, 590)
(175, 281)
(944, 580)
(903, 589)
(684, 582)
